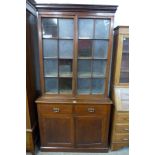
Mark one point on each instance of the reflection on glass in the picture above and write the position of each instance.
(124, 77)
(98, 86)
(125, 62)
(84, 68)
(99, 68)
(50, 68)
(49, 26)
(125, 45)
(85, 48)
(100, 48)
(65, 49)
(65, 85)
(65, 68)
(86, 28)
(51, 85)
(84, 86)
(66, 27)
(50, 48)
(102, 28)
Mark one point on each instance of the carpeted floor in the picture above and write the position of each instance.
(124, 151)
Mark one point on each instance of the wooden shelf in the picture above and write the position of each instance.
(51, 76)
(85, 38)
(65, 75)
(50, 57)
(85, 58)
(58, 38)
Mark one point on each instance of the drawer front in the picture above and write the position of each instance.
(54, 109)
(122, 118)
(116, 146)
(121, 138)
(92, 109)
(121, 128)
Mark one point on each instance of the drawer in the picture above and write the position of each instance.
(116, 146)
(54, 109)
(92, 109)
(122, 118)
(121, 138)
(121, 128)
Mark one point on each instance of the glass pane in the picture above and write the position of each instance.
(84, 86)
(125, 45)
(50, 48)
(51, 85)
(100, 48)
(65, 49)
(102, 28)
(85, 48)
(125, 62)
(84, 68)
(99, 68)
(66, 27)
(65, 68)
(86, 28)
(98, 86)
(124, 77)
(50, 68)
(65, 85)
(49, 27)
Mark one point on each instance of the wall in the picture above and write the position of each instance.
(122, 13)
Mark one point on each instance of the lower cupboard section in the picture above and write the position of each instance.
(74, 131)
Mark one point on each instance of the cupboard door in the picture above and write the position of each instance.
(56, 130)
(90, 131)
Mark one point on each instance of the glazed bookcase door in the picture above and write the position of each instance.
(75, 55)
(58, 50)
(124, 69)
(93, 42)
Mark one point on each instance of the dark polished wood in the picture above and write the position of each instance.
(78, 7)
(73, 149)
(32, 132)
(73, 122)
(73, 127)
(57, 130)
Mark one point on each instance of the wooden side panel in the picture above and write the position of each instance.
(30, 71)
(31, 112)
(29, 141)
(28, 123)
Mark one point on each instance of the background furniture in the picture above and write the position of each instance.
(120, 88)
(75, 43)
(31, 80)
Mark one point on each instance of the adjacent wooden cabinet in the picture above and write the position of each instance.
(75, 43)
(120, 89)
(31, 109)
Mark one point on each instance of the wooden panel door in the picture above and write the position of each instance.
(56, 130)
(91, 131)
